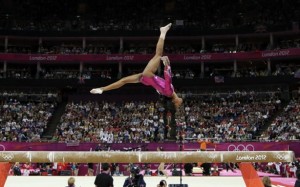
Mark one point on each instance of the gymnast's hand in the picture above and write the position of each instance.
(165, 60)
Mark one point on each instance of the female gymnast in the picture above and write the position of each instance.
(148, 77)
(161, 167)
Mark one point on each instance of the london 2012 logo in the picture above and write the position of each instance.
(240, 147)
(4, 155)
(280, 156)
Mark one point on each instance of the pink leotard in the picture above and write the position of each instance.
(163, 86)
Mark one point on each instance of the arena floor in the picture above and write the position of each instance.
(227, 179)
(84, 181)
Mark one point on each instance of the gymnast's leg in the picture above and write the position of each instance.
(154, 63)
(149, 70)
(125, 80)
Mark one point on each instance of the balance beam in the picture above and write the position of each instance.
(146, 156)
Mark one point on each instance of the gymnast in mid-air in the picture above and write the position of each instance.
(148, 77)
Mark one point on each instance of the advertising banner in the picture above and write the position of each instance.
(198, 57)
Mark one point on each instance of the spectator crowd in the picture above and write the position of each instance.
(239, 115)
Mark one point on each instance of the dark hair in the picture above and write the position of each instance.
(135, 170)
(298, 174)
(162, 183)
(105, 166)
(167, 103)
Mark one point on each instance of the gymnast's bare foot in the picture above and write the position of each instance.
(165, 28)
(96, 91)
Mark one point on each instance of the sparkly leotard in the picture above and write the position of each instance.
(163, 86)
